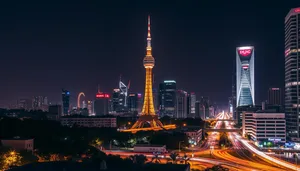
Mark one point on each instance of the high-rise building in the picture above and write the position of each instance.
(101, 104)
(90, 107)
(66, 101)
(24, 104)
(181, 104)
(245, 76)
(204, 107)
(133, 102)
(55, 110)
(192, 103)
(167, 98)
(292, 74)
(40, 103)
(274, 96)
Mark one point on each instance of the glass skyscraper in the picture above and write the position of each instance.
(292, 74)
(245, 76)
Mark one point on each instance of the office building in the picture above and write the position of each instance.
(266, 129)
(25, 104)
(101, 104)
(66, 101)
(192, 104)
(245, 76)
(85, 121)
(274, 96)
(90, 107)
(133, 102)
(167, 98)
(18, 143)
(292, 75)
(40, 103)
(181, 108)
(204, 107)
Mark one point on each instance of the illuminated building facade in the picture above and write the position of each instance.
(148, 112)
(192, 104)
(292, 74)
(65, 101)
(245, 75)
(101, 104)
(181, 104)
(167, 98)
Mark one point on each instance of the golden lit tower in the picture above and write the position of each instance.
(148, 113)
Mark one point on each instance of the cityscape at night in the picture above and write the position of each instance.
(150, 85)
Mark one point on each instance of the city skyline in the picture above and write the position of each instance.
(46, 53)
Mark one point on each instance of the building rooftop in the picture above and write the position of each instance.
(17, 138)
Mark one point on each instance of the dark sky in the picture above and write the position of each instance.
(51, 45)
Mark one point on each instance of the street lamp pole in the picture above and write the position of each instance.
(179, 145)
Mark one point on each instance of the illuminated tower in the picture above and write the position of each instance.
(245, 76)
(148, 113)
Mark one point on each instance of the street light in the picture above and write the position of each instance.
(179, 145)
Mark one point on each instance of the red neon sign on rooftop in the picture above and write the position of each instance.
(100, 95)
(245, 52)
(297, 10)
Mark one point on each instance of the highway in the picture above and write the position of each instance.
(242, 156)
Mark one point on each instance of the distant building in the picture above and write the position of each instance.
(65, 101)
(204, 107)
(24, 104)
(133, 102)
(167, 98)
(90, 107)
(55, 112)
(89, 122)
(198, 108)
(101, 104)
(18, 143)
(265, 128)
(40, 103)
(194, 134)
(181, 107)
(274, 96)
(211, 111)
(240, 109)
(192, 103)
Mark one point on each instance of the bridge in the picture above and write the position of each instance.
(221, 130)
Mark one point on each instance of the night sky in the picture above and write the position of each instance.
(48, 46)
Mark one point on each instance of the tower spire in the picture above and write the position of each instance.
(149, 48)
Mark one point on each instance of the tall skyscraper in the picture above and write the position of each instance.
(204, 107)
(274, 96)
(101, 104)
(167, 98)
(148, 112)
(292, 74)
(133, 102)
(181, 104)
(192, 104)
(245, 76)
(65, 101)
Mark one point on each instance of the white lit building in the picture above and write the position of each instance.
(264, 127)
(89, 122)
(245, 76)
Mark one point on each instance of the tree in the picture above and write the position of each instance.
(185, 158)
(10, 159)
(155, 158)
(138, 159)
(174, 156)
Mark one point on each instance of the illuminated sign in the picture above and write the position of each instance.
(297, 10)
(245, 52)
(102, 96)
(275, 88)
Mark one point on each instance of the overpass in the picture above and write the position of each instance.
(221, 130)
